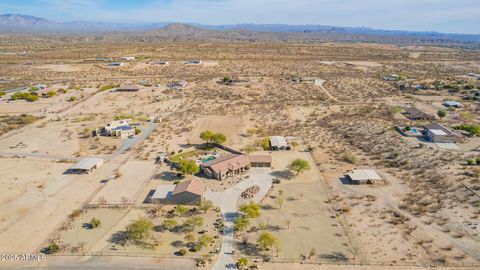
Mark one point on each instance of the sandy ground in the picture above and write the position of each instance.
(133, 176)
(64, 68)
(305, 221)
(232, 127)
(59, 198)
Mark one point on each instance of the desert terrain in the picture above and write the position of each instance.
(424, 213)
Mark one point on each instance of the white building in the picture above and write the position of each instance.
(127, 58)
(278, 143)
(119, 128)
(358, 177)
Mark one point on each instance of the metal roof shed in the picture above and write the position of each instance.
(86, 165)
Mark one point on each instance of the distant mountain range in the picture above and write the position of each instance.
(15, 23)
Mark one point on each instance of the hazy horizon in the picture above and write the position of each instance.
(413, 15)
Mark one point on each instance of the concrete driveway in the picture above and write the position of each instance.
(228, 201)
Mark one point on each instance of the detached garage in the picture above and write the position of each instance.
(260, 161)
(188, 192)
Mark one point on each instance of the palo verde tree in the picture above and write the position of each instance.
(250, 210)
(299, 165)
(139, 229)
(188, 167)
(209, 137)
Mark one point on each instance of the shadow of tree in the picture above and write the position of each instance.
(118, 238)
(285, 174)
(334, 256)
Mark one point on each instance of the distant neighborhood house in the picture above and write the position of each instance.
(194, 61)
(363, 176)
(115, 64)
(413, 113)
(119, 128)
(128, 88)
(452, 103)
(391, 77)
(178, 85)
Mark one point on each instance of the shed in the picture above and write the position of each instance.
(278, 143)
(163, 194)
(357, 177)
(86, 165)
(188, 192)
(128, 88)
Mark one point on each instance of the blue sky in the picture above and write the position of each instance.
(454, 16)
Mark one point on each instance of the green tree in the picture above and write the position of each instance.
(219, 138)
(299, 166)
(205, 205)
(242, 263)
(51, 93)
(139, 229)
(137, 131)
(206, 136)
(180, 210)
(441, 113)
(52, 248)
(250, 210)
(169, 224)
(193, 223)
(95, 222)
(266, 240)
(240, 223)
(279, 202)
(349, 157)
(2, 93)
(72, 99)
(188, 167)
(189, 239)
(205, 240)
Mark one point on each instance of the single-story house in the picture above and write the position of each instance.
(86, 165)
(413, 113)
(115, 64)
(128, 88)
(163, 194)
(188, 192)
(222, 167)
(357, 177)
(41, 86)
(127, 58)
(260, 161)
(441, 134)
(178, 85)
(119, 128)
(278, 143)
(194, 61)
(391, 77)
(161, 62)
(452, 103)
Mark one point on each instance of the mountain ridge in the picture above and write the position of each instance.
(17, 23)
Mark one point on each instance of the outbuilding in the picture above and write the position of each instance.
(128, 88)
(86, 165)
(358, 177)
(163, 194)
(278, 143)
(188, 192)
(260, 161)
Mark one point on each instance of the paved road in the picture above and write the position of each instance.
(228, 202)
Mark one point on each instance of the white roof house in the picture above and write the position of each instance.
(162, 193)
(363, 176)
(452, 103)
(86, 165)
(278, 142)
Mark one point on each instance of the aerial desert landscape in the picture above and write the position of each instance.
(223, 150)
